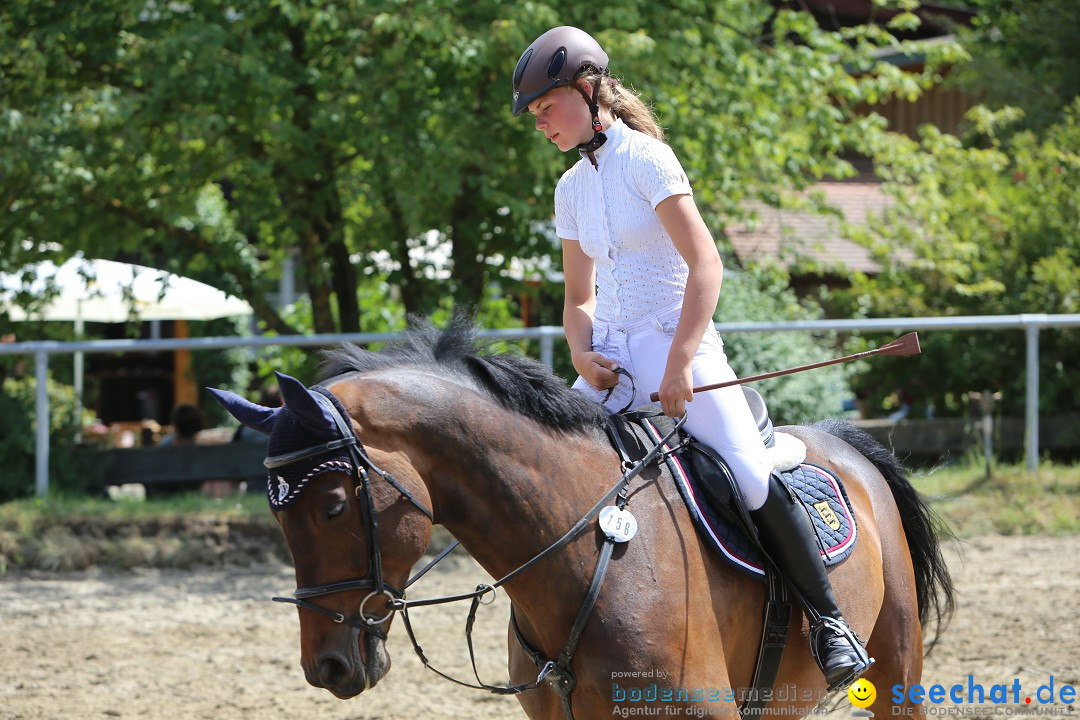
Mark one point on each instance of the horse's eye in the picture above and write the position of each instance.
(335, 510)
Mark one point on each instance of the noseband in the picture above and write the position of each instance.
(373, 581)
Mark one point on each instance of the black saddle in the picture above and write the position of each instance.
(708, 487)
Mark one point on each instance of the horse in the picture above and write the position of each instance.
(497, 449)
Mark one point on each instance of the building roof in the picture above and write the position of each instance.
(794, 237)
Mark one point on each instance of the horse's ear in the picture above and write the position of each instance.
(248, 413)
(311, 413)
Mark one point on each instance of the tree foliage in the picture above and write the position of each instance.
(215, 139)
(18, 420)
(991, 219)
(993, 230)
(1023, 56)
(760, 295)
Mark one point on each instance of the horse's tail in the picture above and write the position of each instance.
(922, 526)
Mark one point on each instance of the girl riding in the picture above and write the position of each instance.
(642, 280)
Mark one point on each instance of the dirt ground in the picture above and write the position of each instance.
(209, 644)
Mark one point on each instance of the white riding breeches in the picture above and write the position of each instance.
(719, 418)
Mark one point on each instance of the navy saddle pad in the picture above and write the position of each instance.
(819, 489)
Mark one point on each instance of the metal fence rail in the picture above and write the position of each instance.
(546, 335)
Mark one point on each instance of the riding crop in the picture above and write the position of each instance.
(904, 345)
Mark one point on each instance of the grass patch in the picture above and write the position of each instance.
(23, 514)
(1012, 501)
(70, 533)
(61, 533)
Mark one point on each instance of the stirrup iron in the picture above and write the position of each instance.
(826, 624)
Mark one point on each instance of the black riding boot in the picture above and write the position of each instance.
(790, 540)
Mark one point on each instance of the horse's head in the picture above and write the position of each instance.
(355, 525)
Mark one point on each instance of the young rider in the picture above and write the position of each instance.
(642, 279)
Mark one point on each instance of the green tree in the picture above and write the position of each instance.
(1023, 55)
(69, 472)
(992, 230)
(762, 294)
(991, 220)
(213, 139)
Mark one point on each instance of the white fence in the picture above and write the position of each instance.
(1031, 324)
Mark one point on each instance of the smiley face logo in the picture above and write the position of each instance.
(862, 693)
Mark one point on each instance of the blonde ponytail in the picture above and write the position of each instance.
(625, 104)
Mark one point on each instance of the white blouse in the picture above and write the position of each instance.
(611, 211)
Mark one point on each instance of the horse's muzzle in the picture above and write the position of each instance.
(347, 674)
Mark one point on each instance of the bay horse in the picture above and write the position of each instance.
(498, 450)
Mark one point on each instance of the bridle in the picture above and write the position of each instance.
(555, 672)
(374, 582)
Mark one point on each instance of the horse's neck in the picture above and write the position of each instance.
(507, 488)
(502, 484)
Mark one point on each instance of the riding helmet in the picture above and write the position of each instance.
(553, 60)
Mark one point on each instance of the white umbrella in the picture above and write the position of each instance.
(107, 291)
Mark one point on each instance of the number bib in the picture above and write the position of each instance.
(619, 525)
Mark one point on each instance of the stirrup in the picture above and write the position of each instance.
(842, 630)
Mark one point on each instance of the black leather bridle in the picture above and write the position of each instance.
(374, 581)
(555, 672)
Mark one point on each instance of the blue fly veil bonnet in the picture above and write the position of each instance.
(305, 437)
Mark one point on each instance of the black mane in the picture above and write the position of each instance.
(516, 382)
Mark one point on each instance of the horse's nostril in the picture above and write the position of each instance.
(331, 672)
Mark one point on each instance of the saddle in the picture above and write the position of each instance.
(708, 488)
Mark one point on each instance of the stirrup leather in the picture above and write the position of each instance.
(840, 629)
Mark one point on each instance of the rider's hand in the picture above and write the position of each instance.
(676, 390)
(596, 369)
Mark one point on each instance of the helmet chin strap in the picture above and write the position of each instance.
(599, 138)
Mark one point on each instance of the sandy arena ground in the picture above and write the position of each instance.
(209, 644)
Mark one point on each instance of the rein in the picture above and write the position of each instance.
(555, 672)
